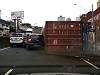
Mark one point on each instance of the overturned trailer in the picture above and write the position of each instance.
(63, 36)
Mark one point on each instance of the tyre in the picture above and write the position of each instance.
(23, 45)
(27, 47)
(11, 45)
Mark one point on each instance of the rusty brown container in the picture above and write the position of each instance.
(63, 36)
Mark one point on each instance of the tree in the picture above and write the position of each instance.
(12, 27)
(27, 25)
(82, 16)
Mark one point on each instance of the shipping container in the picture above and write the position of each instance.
(63, 36)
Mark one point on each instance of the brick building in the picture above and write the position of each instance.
(94, 18)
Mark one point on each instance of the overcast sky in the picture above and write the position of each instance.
(36, 12)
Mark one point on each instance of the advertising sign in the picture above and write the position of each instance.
(0, 14)
(17, 15)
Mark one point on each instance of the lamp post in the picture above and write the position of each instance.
(35, 24)
(84, 33)
(82, 8)
(94, 27)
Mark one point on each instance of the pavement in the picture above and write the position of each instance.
(73, 53)
(88, 53)
(91, 51)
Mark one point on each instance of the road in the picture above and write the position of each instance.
(20, 60)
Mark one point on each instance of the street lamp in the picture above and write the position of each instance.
(85, 34)
(35, 24)
(82, 8)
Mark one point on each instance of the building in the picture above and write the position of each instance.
(94, 18)
(61, 18)
(25, 26)
(37, 30)
(98, 4)
(4, 27)
(68, 19)
(78, 19)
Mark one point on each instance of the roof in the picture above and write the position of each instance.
(29, 29)
(89, 16)
(4, 22)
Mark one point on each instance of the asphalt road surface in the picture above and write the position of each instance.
(19, 60)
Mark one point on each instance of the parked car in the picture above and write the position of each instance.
(34, 41)
(17, 39)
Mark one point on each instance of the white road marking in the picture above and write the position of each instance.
(4, 48)
(9, 72)
(90, 64)
(76, 56)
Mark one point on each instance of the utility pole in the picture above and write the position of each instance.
(81, 8)
(94, 27)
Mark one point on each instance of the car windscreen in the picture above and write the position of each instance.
(16, 35)
(34, 37)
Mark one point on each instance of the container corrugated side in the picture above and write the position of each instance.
(63, 36)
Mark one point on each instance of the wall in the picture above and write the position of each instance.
(4, 42)
(95, 20)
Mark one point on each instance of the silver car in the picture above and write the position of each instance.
(17, 39)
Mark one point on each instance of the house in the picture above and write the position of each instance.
(94, 18)
(37, 30)
(25, 26)
(4, 27)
